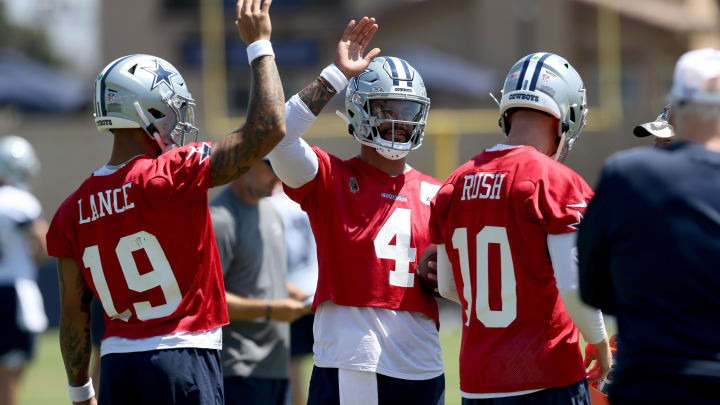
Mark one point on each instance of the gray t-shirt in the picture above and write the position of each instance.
(252, 253)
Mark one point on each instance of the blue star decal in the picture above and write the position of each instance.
(161, 74)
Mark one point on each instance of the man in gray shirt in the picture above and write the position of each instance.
(249, 234)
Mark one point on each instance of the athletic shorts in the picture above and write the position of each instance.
(367, 388)
(185, 376)
(301, 336)
(16, 345)
(573, 394)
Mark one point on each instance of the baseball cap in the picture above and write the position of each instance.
(692, 72)
(660, 127)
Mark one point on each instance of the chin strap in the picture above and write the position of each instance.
(152, 130)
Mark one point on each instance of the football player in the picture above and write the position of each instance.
(505, 223)
(22, 245)
(375, 330)
(137, 233)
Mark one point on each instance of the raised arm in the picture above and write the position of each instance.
(293, 160)
(265, 126)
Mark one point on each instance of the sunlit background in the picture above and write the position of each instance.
(52, 50)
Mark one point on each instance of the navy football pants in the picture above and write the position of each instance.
(186, 376)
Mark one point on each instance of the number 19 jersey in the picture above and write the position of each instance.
(494, 214)
(142, 238)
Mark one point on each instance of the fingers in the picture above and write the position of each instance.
(360, 28)
(372, 55)
(348, 31)
(368, 35)
(432, 264)
(432, 276)
(246, 8)
(256, 6)
(266, 6)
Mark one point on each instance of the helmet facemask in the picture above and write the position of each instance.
(387, 119)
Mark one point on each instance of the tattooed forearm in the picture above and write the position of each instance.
(264, 128)
(75, 343)
(317, 94)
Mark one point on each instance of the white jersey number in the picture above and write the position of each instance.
(488, 235)
(398, 226)
(160, 276)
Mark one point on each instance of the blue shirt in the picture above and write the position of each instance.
(649, 252)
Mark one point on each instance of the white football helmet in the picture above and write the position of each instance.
(389, 93)
(18, 162)
(144, 91)
(548, 83)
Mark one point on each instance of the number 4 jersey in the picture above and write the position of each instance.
(370, 229)
(494, 214)
(142, 237)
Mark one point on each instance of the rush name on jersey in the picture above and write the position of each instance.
(155, 275)
(494, 214)
(370, 229)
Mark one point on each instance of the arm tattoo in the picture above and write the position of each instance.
(265, 126)
(317, 94)
(75, 343)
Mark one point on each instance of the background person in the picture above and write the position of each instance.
(22, 248)
(251, 244)
(649, 246)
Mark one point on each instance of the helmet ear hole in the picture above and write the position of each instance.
(572, 114)
(157, 114)
(565, 127)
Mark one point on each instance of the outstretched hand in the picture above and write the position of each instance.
(253, 21)
(350, 50)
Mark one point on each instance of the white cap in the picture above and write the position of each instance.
(692, 72)
(660, 127)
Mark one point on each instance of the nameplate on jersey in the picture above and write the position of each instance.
(107, 202)
(486, 186)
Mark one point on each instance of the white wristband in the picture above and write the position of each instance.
(259, 48)
(83, 393)
(335, 77)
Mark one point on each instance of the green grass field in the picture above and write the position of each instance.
(45, 383)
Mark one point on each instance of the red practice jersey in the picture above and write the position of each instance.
(370, 230)
(143, 240)
(494, 214)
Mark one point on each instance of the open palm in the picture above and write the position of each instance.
(350, 50)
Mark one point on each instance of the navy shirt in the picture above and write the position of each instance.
(649, 253)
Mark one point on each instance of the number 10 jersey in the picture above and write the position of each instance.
(142, 238)
(494, 214)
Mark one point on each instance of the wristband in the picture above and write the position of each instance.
(268, 309)
(82, 393)
(335, 77)
(259, 48)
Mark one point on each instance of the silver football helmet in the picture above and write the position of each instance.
(389, 97)
(144, 91)
(18, 161)
(548, 83)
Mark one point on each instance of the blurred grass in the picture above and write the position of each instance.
(44, 382)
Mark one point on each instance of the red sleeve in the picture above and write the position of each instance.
(439, 211)
(307, 194)
(184, 169)
(560, 199)
(58, 236)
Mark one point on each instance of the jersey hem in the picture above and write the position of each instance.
(428, 375)
(497, 394)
